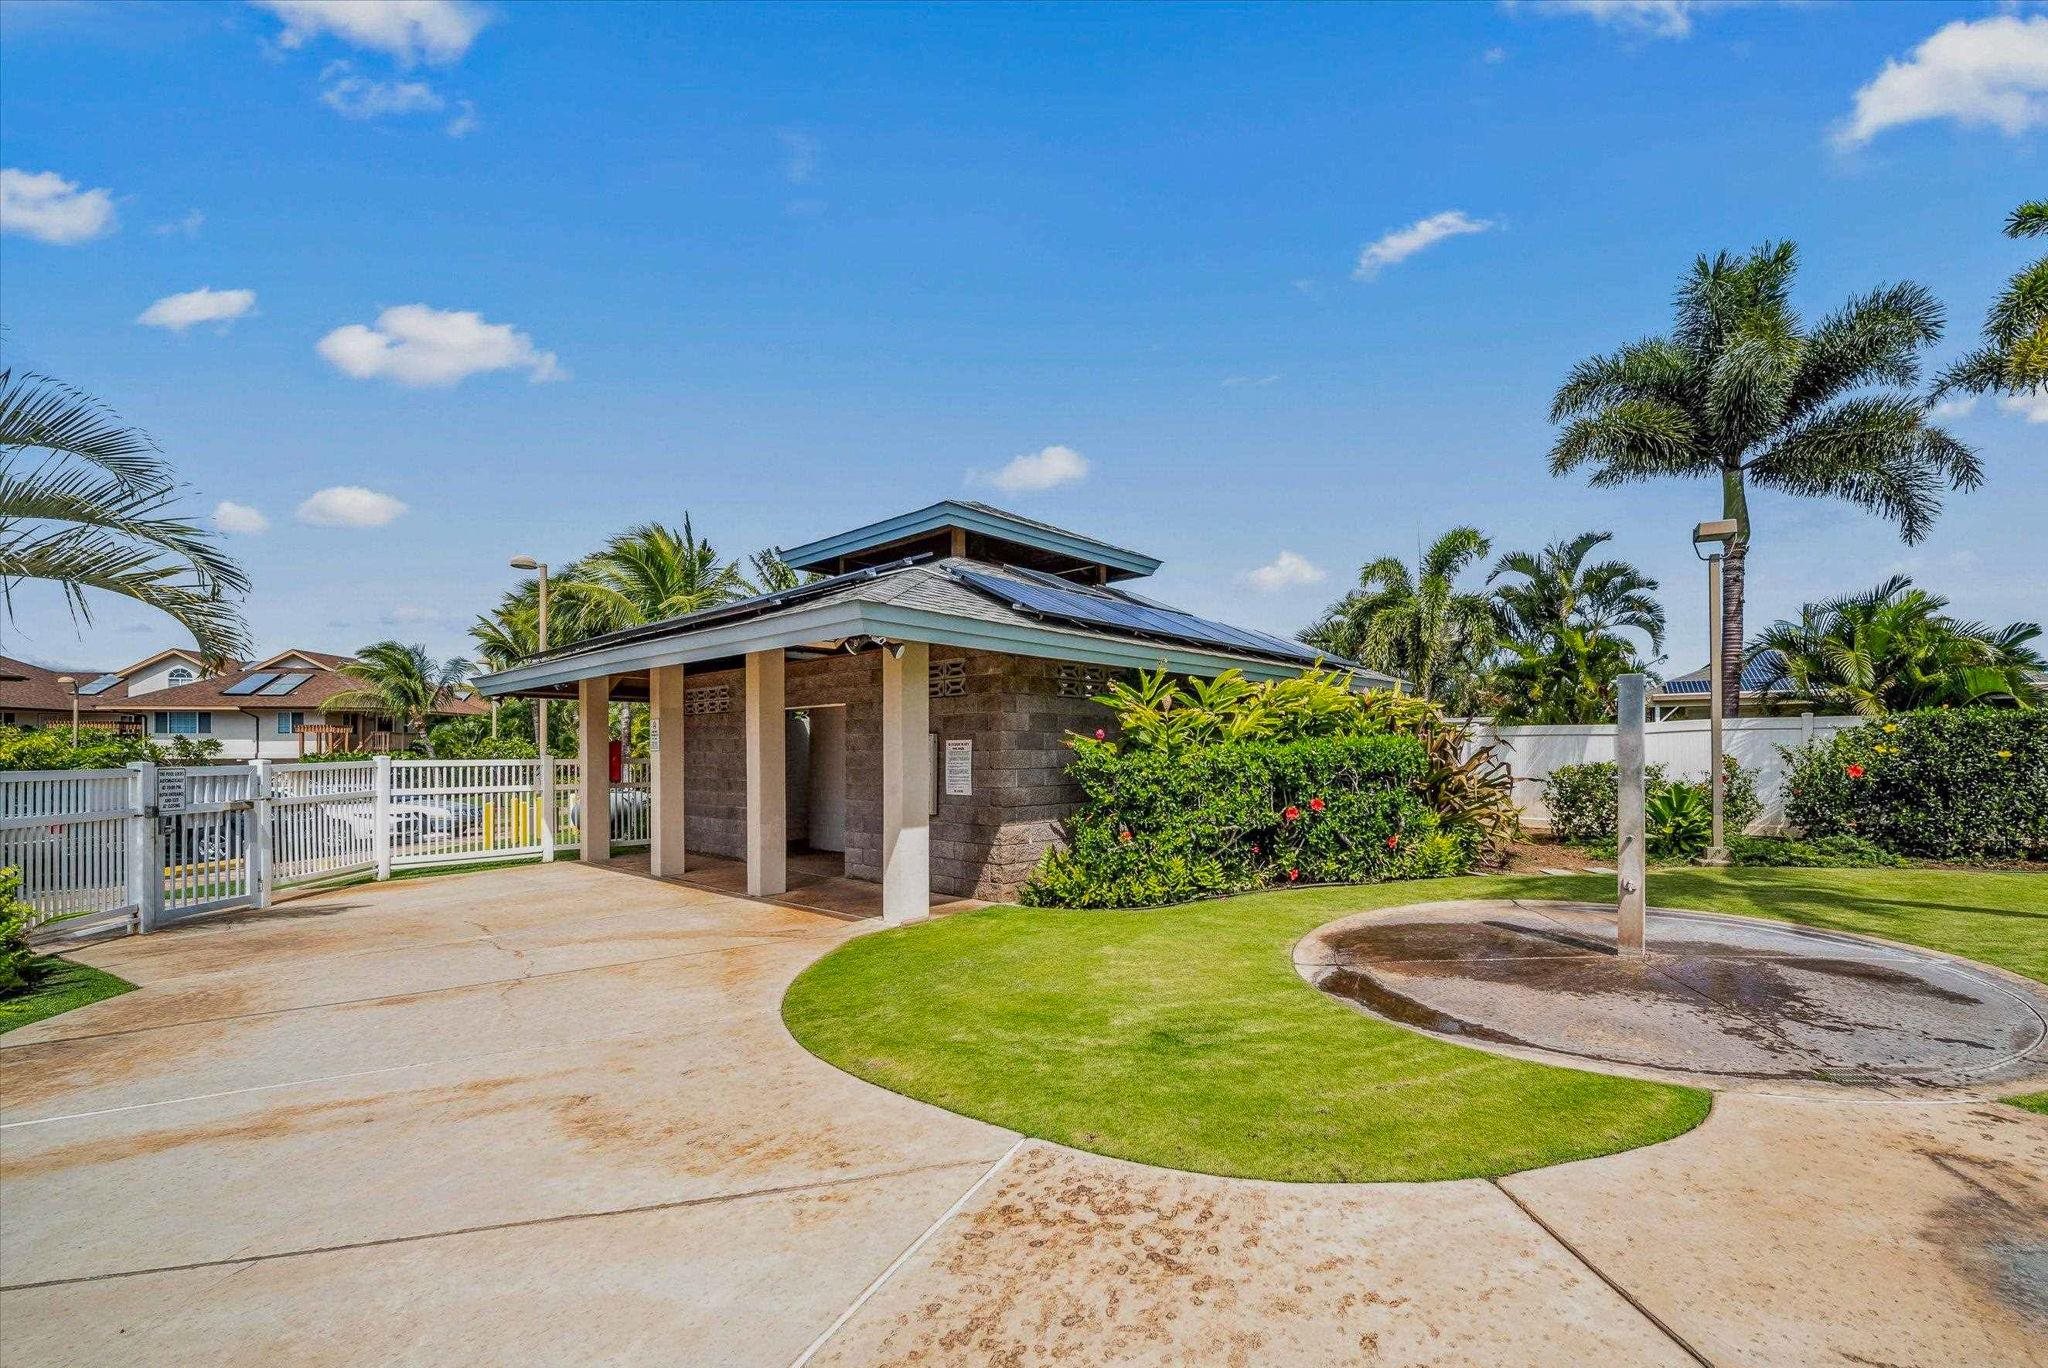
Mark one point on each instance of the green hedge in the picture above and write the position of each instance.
(1241, 815)
(1581, 798)
(1963, 784)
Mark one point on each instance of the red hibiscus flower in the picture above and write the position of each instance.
(1393, 840)
(1124, 836)
(1101, 735)
(1255, 847)
(1855, 771)
(1293, 874)
(1292, 813)
(1315, 805)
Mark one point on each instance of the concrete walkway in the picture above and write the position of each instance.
(550, 1114)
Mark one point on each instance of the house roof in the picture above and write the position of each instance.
(311, 695)
(1759, 670)
(993, 533)
(949, 601)
(30, 688)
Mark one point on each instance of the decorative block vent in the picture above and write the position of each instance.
(949, 679)
(716, 698)
(1081, 681)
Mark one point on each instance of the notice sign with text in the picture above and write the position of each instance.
(170, 790)
(959, 769)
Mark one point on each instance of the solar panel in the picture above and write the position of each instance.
(1103, 609)
(284, 684)
(100, 685)
(249, 685)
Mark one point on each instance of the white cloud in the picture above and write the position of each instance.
(413, 344)
(799, 156)
(187, 225)
(1285, 571)
(1402, 243)
(465, 121)
(349, 506)
(2032, 406)
(240, 519)
(1987, 72)
(1656, 18)
(437, 31)
(1957, 407)
(180, 311)
(1047, 469)
(45, 206)
(359, 97)
(1250, 381)
(1494, 56)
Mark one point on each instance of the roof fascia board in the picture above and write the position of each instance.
(825, 623)
(950, 514)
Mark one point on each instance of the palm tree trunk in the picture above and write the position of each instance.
(1734, 504)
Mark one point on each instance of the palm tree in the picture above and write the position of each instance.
(2014, 357)
(399, 681)
(644, 574)
(772, 573)
(83, 505)
(1416, 624)
(1893, 649)
(1742, 393)
(1561, 625)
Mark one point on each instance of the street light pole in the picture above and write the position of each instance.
(540, 705)
(68, 682)
(1716, 534)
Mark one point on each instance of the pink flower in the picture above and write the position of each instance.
(1101, 735)
(1255, 847)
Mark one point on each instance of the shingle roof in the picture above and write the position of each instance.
(210, 694)
(38, 690)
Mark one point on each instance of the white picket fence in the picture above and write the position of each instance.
(1682, 747)
(136, 848)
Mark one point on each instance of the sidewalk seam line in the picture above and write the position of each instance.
(901, 1259)
(1645, 1312)
(564, 1218)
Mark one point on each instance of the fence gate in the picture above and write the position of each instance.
(204, 820)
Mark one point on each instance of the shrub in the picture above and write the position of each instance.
(17, 961)
(1158, 826)
(1581, 798)
(50, 748)
(1965, 784)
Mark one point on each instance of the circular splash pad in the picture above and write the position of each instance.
(1714, 1000)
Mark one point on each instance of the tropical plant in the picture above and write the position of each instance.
(645, 574)
(772, 574)
(1465, 785)
(1417, 623)
(399, 681)
(1743, 393)
(19, 965)
(1581, 799)
(85, 505)
(1563, 676)
(2014, 357)
(1557, 589)
(1893, 649)
(1678, 821)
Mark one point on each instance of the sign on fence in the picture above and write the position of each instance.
(173, 789)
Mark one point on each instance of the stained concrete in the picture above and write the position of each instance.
(1715, 999)
(550, 1115)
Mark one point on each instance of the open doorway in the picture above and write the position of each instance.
(816, 789)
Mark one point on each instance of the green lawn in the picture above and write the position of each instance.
(2033, 1102)
(66, 985)
(1184, 1037)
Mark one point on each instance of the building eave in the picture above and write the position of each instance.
(951, 513)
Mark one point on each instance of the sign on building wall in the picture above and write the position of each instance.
(959, 769)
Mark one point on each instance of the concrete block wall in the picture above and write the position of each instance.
(983, 845)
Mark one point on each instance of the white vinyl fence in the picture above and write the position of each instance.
(136, 848)
(1682, 747)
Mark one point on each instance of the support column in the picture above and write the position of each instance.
(767, 776)
(665, 828)
(906, 799)
(594, 772)
(1631, 855)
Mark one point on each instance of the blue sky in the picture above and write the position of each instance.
(793, 268)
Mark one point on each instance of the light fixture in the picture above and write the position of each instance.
(523, 563)
(1716, 535)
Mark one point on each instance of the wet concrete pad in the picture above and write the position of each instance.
(1716, 998)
